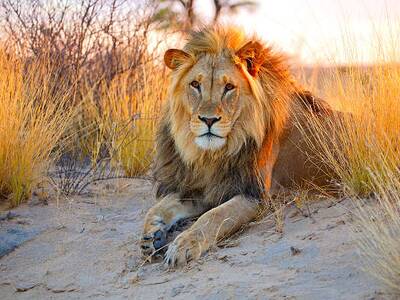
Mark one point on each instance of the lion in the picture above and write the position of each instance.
(228, 137)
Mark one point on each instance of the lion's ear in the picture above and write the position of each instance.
(253, 54)
(173, 58)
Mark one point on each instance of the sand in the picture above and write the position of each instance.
(87, 247)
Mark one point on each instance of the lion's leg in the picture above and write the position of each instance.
(161, 217)
(211, 227)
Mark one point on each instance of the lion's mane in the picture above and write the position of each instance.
(216, 176)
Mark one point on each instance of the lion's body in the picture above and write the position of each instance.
(298, 164)
(216, 181)
(253, 146)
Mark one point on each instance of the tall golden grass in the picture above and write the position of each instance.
(106, 54)
(363, 150)
(34, 116)
(379, 226)
(355, 144)
(123, 117)
(46, 111)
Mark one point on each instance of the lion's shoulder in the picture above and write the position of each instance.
(312, 103)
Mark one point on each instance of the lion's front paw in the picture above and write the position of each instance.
(154, 239)
(184, 248)
(151, 242)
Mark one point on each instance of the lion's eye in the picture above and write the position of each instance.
(229, 87)
(195, 84)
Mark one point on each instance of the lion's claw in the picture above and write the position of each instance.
(184, 248)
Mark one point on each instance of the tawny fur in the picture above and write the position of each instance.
(217, 176)
(263, 149)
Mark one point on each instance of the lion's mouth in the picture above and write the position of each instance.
(210, 134)
(210, 141)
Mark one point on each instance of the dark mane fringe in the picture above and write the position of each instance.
(238, 175)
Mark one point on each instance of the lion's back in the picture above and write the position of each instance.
(299, 163)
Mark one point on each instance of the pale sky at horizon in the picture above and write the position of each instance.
(313, 31)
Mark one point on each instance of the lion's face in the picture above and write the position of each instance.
(214, 93)
(216, 100)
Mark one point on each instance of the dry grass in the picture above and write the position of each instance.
(380, 230)
(355, 144)
(106, 53)
(123, 119)
(363, 150)
(34, 117)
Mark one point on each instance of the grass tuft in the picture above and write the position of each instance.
(354, 144)
(380, 230)
(122, 119)
(34, 116)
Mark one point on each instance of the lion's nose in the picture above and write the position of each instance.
(209, 121)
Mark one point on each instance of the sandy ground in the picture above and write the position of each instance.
(87, 248)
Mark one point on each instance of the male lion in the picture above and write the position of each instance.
(228, 135)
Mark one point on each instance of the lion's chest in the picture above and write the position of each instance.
(219, 182)
(209, 180)
(198, 182)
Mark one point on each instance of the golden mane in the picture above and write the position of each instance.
(272, 87)
(215, 40)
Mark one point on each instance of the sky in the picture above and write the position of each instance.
(322, 31)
